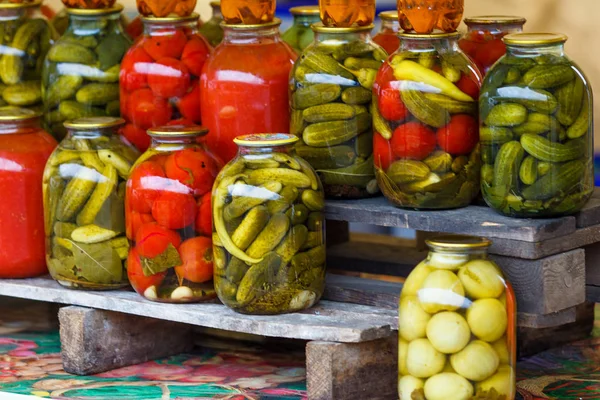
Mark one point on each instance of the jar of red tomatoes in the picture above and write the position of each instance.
(160, 77)
(24, 150)
(244, 85)
(387, 37)
(426, 145)
(483, 40)
(168, 217)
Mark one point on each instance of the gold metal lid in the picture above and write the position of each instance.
(14, 114)
(389, 15)
(305, 10)
(320, 28)
(92, 12)
(252, 27)
(534, 39)
(215, 4)
(177, 130)
(434, 35)
(458, 242)
(495, 19)
(265, 139)
(35, 3)
(94, 123)
(171, 19)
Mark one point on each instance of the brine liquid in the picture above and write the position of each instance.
(248, 11)
(345, 13)
(423, 16)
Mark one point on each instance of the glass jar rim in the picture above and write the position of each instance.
(92, 12)
(305, 10)
(18, 114)
(266, 139)
(495, 19)
(319, 27)
(34, 3)
(458, 242)
(434, 35)
(94, 123)
(388, 15)
(252, 27)
(177, 131)
(169, 20)
(534, 39)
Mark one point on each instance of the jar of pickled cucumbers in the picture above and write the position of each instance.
(536, 130)
(269, 229)
(347, 13)
(164, 8)
(84, 197)
(300, 35)
(331, 108)
(248, 12)
(387, 37)
(26, 38)
(425, 117)
(24, 150)
(211, 29)
(159, 78)
(483, 40)
(426, 16)
(80, 77)
(457, 325)
(168, 217)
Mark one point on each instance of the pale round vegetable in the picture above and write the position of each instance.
(448, 332)
(402, 353)
(441, 291)
(304, 299)
(412, 319)
(448, 386)
(407, 385)
(182, 293)
(415, 279)
(501, 348)
(150, 293)
(476, 362)
(487, 319)
(449, 261)
(481, 279)
(423, 360)
(502, 381)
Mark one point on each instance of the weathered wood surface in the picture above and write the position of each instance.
(590, 214)
(328, 321)
(94, 341)
(17, 315)
(539, 321)
(592, 264)
(350, 371)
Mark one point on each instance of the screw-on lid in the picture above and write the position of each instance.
(94, 123)
(388, 15)
(458, 242)
(265, 139)
(434, 35)
(495, 20)
(90, 12)
(320, 28)
(534, 39)
(305, 10)
(14, 114)
(35, 3)
(177, 130)
(171, 19)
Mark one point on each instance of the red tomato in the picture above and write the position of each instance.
(181, 121)
(195, 53)
(194, 168)
(169, 77)
(460, 136)
(196, 255)
(189, 105)
(144, 185)
(382, 151)
(135, 273)
(136, 136)
(204, 216)
(468, 46)
(147, 110)
(166, 43)
(123, 101)
(134, 68)
(490, 52)
(174, 210)
(389, 41)
(384, 76)
(133, 221)
(135, 28)
(468, 86)
(412, 140)
(152, 240)
(390, 104)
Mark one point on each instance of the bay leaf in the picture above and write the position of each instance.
(98, 262)
(112, 214)
(63, 266)
(354, 175)
(167, 259)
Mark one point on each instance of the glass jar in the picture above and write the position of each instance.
(80, 77)
(347, 13)
(164, 8)
(483, 40)
(387, 37)
(457, 325)
(425, 16)
(244, 86)
(211, 29)
(270, 254)
(89, 4)
(24, 150)
(299, 35)
(331, 108)
(537, 130)
(84, 199)
(248, 12)
(168, 214)
(27, 37)
(160, 77)
(426, 146)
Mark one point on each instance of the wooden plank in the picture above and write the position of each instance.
(370, 292)
(350, 371)
(475, 220)
(539, 321)
(19, 315)
(336, 322)
(592, 264)
(94, 341)
(590, 214)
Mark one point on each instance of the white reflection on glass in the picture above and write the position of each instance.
(249, 191)
(239, 76)
(10, 165)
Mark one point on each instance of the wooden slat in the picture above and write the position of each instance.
(590, 215)
(328, 321)
(592, 264)
(538, 321)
